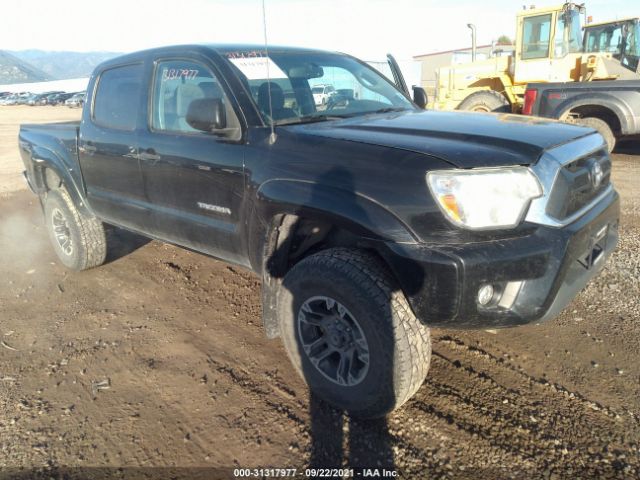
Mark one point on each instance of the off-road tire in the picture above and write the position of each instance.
(87, 234)
(601, 127)
(485, 101)
(399, 344)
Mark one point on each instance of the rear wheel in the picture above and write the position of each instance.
(351, 334)
(485, 101)
(79, 240)
(602, 128)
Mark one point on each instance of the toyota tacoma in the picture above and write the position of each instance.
(368, 222)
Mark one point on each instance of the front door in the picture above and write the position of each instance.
(194, 179)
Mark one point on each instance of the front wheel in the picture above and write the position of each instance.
(351, 334)
(79, 240)
(602, 128)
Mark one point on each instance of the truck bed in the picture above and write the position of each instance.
(50, 141)
(621, 98)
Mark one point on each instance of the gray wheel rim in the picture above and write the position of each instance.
(61, 231)
(333, 341)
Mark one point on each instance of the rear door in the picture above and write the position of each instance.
(193, 179)
(108, 147)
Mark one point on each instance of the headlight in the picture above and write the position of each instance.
(484, 198)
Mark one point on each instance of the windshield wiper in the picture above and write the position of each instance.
(311, 119)
(374, 112)
(391, 109)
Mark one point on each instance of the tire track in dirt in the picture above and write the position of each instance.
(287, 407)
(521, 436)
(533, 425)
(504, 362)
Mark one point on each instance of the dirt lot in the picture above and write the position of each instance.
(158, 359)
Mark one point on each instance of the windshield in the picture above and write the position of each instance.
(613, 38)
(568, 37)
(622, 39)
(351, 88)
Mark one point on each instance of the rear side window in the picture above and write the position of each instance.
(118, 97)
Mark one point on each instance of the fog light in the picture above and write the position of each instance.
(485, 294)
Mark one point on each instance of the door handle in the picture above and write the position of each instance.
(149, 156)
(132, 153)
(87, 148)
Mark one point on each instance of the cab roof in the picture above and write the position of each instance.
(612, 22)
(222, 49)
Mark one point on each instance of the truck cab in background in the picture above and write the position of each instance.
(621, 38)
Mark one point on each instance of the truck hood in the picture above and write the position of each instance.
(463, 139)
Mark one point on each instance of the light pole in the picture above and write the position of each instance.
(473, 41)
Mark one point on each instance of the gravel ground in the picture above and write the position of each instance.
(155, 366)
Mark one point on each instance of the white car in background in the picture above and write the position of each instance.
(77, 100)
(321, 93)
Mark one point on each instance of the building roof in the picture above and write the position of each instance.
(466, 49)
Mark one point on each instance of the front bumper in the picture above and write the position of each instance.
(535, 277)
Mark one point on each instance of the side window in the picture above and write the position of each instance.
(118, 97)
(177, 84)
(536, 32)
(568, 38)
(615, 41)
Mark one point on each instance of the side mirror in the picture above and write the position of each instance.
(206, 114)
(420, 97)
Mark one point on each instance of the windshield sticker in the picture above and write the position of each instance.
(246, 54)
(255, 68)
(176, 73)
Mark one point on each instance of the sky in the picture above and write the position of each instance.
(368, 29)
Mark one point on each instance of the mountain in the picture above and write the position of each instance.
(16, 70)
(64, 65)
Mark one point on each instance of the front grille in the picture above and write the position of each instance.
(577, 184)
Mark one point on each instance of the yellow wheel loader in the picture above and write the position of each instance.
(549, 48)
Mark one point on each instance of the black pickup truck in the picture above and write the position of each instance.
(611, 107)
(368, 221)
